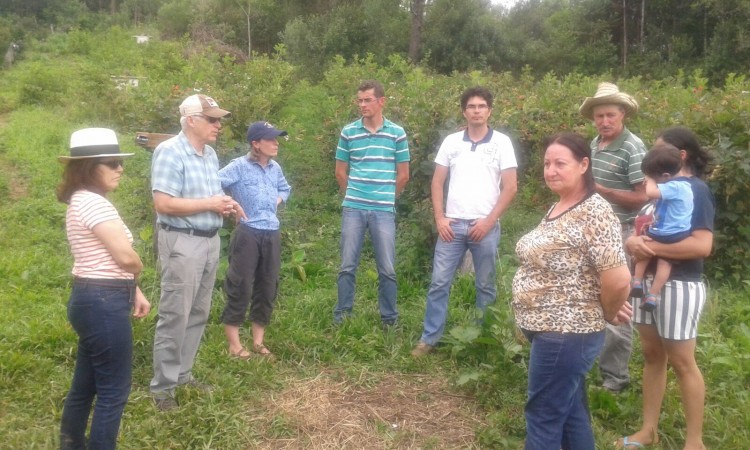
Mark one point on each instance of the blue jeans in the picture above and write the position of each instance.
(382, 227)
(557, 414)
(99, 311)
(448, 256)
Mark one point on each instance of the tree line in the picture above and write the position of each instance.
(653, 39)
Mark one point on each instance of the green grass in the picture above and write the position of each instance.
(483, 370)
(37, 345)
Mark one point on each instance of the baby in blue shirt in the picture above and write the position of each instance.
(673, 212)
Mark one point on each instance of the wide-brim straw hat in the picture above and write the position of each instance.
(608, 94)
(93, 143)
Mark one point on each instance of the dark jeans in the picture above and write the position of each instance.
(557, 414)
(253, 274)
(99, 311)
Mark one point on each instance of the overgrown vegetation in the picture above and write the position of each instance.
(63, 83)
(630, 37)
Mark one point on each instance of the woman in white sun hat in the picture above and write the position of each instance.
(104, 290)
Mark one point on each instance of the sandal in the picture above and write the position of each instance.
(625, 442)
(261, 350)
(242, 354)
(636, 288)
(649, 303)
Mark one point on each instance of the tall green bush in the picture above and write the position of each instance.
(426, 104)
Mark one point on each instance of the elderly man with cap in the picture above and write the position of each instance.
(617, 155)
(190, 205)
(258, 184)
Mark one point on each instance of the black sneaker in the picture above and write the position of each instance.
(388, 325)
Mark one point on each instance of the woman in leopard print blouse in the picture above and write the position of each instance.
(573, 277)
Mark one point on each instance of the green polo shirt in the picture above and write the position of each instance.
(618, 166)
(373, 159)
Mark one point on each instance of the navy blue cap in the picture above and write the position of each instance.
(263, 130)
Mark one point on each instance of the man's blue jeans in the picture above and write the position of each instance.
(382, 227)
(448, 256)
(557, 414)
(100, 315)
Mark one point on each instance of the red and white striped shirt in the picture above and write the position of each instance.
(91, 258)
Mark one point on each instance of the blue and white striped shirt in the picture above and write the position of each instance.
(372, 159)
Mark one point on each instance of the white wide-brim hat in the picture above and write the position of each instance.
(608, 94)
(93, 143)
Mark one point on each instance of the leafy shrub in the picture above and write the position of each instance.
(41, 84)
(426, 104)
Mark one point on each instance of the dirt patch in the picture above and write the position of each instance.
(17, 187)
(397, 411)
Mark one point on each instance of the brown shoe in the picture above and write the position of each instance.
(422, 349)
(198, 385)
(165, 404)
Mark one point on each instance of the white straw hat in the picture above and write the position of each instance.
(608, 94)
(93, 143)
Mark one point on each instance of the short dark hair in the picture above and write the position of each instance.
(374, 85)
(698, 159)
(476, 91)
(78, 174)
(580, 149)
(662, 158)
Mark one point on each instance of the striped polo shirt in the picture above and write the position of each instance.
(372, 159)
(91, 257)
(618, 166)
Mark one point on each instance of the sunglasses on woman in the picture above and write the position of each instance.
(113, 164)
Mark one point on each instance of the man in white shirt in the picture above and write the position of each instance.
(482, 167)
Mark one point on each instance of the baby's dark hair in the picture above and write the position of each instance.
(662, 158)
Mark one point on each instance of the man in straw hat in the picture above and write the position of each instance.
(190, 205)
(617, 155)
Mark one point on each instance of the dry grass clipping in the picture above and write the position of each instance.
(396, 411)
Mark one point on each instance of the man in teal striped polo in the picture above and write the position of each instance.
(617, 155)
(372, 168)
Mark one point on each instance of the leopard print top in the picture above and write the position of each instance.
(557, 287)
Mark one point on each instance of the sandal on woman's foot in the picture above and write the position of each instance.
(624, 442)
(260, 349)
(242, 354)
